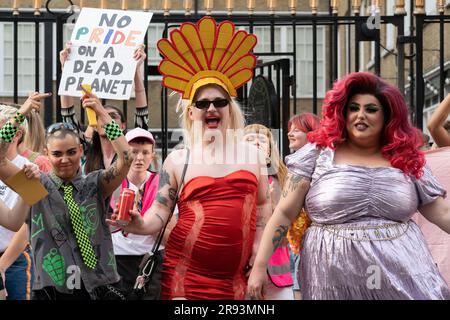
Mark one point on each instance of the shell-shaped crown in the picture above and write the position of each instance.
(203, 53)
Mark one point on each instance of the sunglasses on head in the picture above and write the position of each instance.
(60, 126)
(204, 104)
(115, 115)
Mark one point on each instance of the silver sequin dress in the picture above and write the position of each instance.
(362, 243)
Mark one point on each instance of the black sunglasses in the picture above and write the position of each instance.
(59, 126)
(204, 104)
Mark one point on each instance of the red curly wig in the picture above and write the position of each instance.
(401, 140)
(306, 122)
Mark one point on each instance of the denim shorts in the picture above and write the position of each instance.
(20, 276)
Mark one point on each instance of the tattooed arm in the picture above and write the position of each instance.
(156, 216)
(292, 198)
(111, 178)
(275, 193)
(263, 208)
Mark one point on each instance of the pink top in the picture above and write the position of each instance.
(438, 241)
(38, 159)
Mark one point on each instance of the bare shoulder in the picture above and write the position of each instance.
(175, 162)
(177, 157)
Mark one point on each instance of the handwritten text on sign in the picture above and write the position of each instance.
(103, 43)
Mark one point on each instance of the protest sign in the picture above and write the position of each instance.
(103, 43)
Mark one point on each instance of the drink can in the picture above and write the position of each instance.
(126, 203)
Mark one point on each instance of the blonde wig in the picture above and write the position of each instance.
(237, 120)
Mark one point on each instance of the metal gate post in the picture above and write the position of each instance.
(285, 105)
(420, 88)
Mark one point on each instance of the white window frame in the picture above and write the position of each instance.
(407, 23)
(430, 7)
(320, 94)
(390, 29)
(283, 47)
(21, 92)
(152, 61)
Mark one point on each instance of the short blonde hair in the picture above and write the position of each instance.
(237, 120)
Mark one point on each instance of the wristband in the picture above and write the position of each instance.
(20, 118)
(112, 130)
(8, 132)
(67, 112)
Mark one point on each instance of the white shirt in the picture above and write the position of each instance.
(133, 244)
(10, 198)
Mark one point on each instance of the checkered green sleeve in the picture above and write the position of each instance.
(112, 130)
(8, 132)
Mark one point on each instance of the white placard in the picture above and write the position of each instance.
(103, 43)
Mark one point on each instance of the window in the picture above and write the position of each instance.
(304, 58)
(390, 29)
(304, 42)
(26, 59)
(263, 44)
(155, 32)
(430, 7)
(407, 18)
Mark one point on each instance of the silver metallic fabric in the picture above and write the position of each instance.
(362, 243)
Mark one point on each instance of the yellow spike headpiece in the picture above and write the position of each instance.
(206, 53)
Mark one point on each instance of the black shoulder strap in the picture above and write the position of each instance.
(161, 233)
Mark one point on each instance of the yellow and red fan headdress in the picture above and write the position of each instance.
(206, 53)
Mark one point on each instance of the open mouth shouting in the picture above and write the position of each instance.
(212, 122)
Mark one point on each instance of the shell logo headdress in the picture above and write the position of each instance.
(206, 53)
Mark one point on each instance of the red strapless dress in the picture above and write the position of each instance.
(207, 251)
